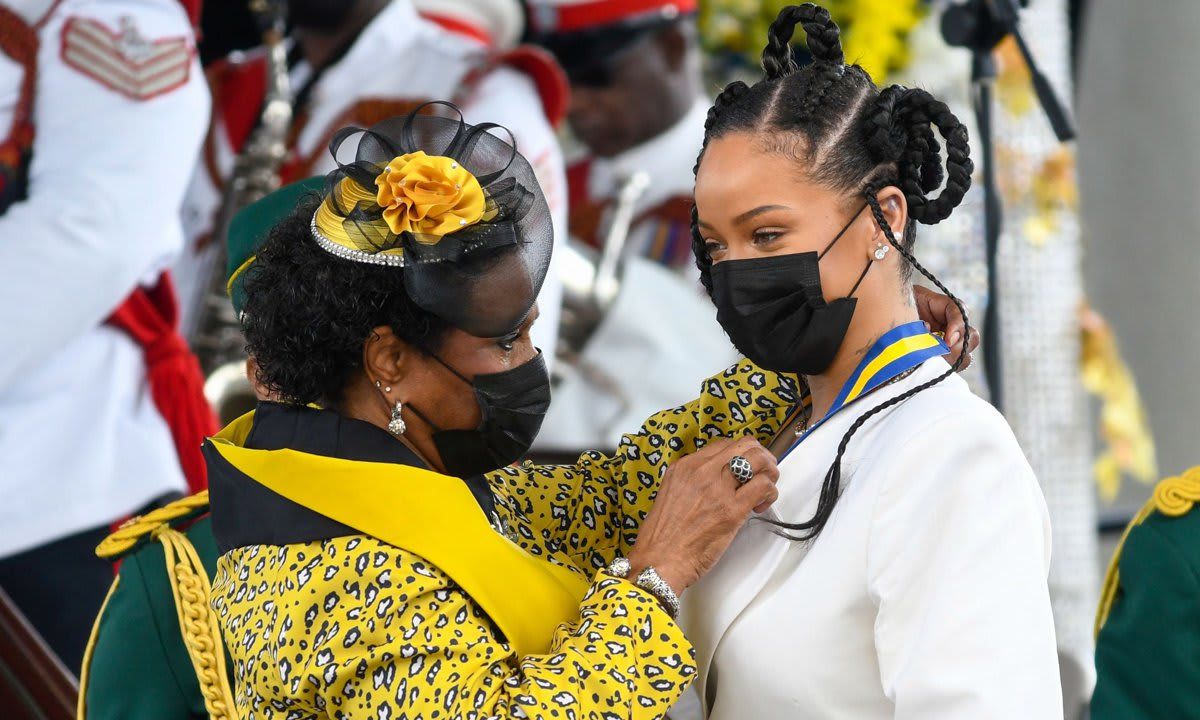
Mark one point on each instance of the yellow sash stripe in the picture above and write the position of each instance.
(431, 515)
(893, 352)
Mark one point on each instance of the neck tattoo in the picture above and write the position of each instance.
(805, 418)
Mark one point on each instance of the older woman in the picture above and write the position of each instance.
(902, 572)
(368, 569)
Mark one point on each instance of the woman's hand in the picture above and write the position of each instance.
(941, 315)
(700, 508)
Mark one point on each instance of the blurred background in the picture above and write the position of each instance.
(1073, 250)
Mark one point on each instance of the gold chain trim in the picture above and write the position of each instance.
(197, 621)
(134, 529)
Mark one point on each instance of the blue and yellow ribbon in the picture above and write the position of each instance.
(897, 351)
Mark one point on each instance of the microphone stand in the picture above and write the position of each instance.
(980, 25)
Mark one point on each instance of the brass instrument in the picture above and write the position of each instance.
(217, 340)
(592, 281)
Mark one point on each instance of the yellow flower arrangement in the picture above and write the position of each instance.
(1124, 428)
(875, 31)
(428, 195)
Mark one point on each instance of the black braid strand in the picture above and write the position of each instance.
(886, 140)
(824, 39)
(881, 219)
(819, 86)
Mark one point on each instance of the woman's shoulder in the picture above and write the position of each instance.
(951, 407)
(954, 442)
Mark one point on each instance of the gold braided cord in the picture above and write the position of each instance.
(135, 529)
(1175, 496)
(1112, 579)
(85, 670)
(197, 622)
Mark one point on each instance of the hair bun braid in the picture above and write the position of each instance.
(885, 137)
(822, 33)
(900, 129)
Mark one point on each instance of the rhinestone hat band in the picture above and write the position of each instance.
(346, 253)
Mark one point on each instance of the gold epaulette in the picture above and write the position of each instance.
(137, 530)
(1174, 497)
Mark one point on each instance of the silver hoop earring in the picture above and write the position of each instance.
(396, 425)
(881, 251)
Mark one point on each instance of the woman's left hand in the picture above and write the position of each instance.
(941, 315)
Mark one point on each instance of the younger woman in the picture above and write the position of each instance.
(902, 572)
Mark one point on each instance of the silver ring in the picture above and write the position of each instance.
(740, 467)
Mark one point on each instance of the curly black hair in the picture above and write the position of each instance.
(308, 313)
(850, 136)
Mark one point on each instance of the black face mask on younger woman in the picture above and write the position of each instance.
(773, 310)
(513, 404)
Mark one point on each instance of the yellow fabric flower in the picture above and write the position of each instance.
(428, 195)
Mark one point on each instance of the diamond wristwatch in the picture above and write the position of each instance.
(649, 581)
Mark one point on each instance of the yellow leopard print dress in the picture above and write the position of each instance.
(352, 627)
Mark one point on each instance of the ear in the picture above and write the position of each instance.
(895, 211)
(386, 358)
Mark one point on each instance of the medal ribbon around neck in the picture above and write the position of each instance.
(896, 352)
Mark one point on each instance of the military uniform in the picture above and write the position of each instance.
(1148, 625)
(88, 221)
(662, 226)
(450, 50)
(140, 661)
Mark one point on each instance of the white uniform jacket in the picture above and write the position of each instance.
(119, 108)
(924, 597)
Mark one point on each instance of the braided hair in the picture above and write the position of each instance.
(851, 137)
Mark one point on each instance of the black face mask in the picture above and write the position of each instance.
(773, 310)
(513, 404)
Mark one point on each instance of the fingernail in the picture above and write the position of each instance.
(955, 337)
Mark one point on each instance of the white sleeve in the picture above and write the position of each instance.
(106, 181)
(509, 98)
(957, 561)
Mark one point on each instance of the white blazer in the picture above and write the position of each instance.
(924, 597)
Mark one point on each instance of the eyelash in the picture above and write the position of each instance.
(766, 236)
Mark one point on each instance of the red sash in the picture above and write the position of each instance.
(150, 316)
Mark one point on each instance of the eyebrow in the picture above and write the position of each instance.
(751, 214)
